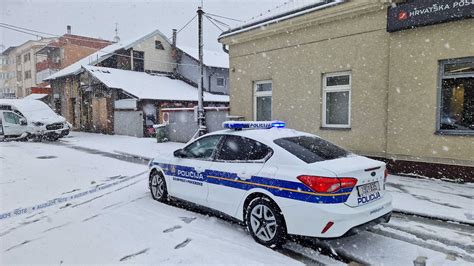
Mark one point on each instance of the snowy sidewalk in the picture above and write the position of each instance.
(425, 197)
(433, 198)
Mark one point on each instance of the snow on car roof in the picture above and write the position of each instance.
(36, 96)
(148, 86)
(33, 109)
(211, 58)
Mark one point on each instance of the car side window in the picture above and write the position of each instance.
(202, 148)
(11, 118)
(237, 148)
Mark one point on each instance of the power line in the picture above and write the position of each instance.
(29, 33)
(182, 28)
(219, 16)
(105, 52)
(18, 27)
(220, 22)
(208, 18)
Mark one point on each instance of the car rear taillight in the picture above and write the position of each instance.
(327, 184)
(385, 175)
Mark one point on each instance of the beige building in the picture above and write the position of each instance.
(7, 74)
(367, 75)
(22, 62)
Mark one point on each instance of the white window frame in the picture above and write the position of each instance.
(339, 88)
(223, 83)
(261, 94)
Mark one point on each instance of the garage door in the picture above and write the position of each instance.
(129, 123)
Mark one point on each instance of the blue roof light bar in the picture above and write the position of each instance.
(238, 125)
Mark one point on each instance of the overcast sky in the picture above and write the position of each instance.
(97, 18)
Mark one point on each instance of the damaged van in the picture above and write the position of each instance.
(25, 119)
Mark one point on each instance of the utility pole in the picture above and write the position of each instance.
(201, 116)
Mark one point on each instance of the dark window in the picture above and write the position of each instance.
(202, 148)
(159, 45)
(220, 82)
(236, 148)
(457, 96)
(26, 57)
(138, 61)
(311, 149)
(28, 74)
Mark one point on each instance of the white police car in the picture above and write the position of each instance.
(278, 181)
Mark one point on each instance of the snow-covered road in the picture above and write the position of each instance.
(118, 224)
(122, 224)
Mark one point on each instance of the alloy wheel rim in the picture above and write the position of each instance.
(263, 222)
(157, 186)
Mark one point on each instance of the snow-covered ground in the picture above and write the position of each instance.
(144, 147)
(118, 222)
(433, 198)
(35, 172)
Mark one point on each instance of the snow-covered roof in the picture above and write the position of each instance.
(211, 58)
(282, 14)
(148, 86)
(101, 55)
(36, 96)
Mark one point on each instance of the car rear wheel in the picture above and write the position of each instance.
(266, 223)
(157, 185)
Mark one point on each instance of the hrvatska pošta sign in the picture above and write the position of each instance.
(427, 12)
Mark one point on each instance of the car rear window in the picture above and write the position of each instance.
(311, 149)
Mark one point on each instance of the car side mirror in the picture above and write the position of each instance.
(23, 122)
(179, 153)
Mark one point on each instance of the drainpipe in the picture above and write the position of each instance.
(174, 52)
(225, 48)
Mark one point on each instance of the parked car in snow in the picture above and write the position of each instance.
(31, 119)
(278, 181)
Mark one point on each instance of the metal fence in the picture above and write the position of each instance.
(181, 122)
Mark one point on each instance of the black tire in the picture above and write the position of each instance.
(265, 222)
(157, 185)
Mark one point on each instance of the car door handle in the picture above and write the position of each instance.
(244, 175)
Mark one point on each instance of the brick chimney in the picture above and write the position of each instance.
(174, 53)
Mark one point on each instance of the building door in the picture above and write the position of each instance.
(99, 115)
(128, 123)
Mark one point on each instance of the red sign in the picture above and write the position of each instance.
(39, 90)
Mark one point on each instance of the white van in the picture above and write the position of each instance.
(30, 119)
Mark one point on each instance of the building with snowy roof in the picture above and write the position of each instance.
(148, 57)
(124, 102)
(389, 79)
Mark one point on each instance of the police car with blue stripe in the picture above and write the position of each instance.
(278, 181)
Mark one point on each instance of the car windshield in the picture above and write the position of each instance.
(311, 149)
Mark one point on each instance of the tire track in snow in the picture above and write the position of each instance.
(134, 254)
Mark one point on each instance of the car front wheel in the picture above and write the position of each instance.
(157, 185)
(266, 223)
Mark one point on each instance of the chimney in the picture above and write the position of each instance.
(68, 29)
(173, 44)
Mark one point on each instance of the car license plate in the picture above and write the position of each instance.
(367, 189)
